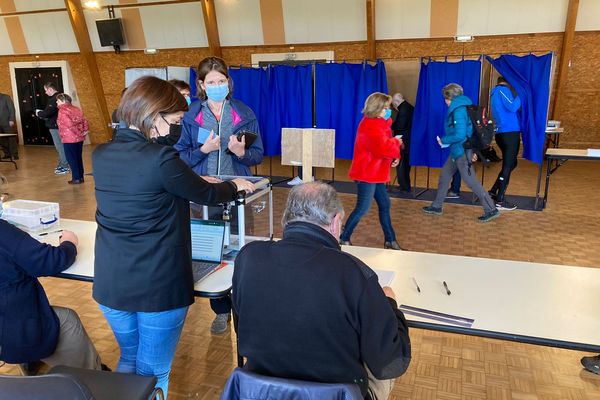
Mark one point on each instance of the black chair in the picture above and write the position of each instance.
(243, 384)
(68, 383)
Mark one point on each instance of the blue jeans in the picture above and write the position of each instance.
(147, 341)
(364, 197)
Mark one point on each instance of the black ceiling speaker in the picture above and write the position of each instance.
(110, 32)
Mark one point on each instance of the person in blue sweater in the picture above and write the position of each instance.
(505, 107)
(210, 146)
(458, 129)
(32, 330)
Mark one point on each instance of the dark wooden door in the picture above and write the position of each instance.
(31, 96)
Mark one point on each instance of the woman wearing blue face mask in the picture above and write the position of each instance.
(375, 151)
(209, 145)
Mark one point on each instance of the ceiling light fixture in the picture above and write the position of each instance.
(92, 5)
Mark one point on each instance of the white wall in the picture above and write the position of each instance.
(318, 21)
(48, 33)
(5, 45)
(239, 22)
(174, 26)
(402, 19)
(588, 17)
(493, 17)
(30, 5)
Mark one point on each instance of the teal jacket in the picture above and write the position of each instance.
(458, 126)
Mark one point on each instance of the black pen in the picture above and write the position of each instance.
(416, 284)
(50, 233)
(448, 292)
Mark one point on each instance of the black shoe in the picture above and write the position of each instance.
(393, 245)
(433, 210)
(32, 368)
(76, 181)
(591, 363)
(505, 206)
(452, 195)
(345, 243)
(488, 216)
(105, 367)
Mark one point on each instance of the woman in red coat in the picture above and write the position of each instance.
(375, 151)
(72, 127)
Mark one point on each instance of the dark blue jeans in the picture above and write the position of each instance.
(73, 152)
(364, 197)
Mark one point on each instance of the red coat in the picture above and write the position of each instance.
(374, 151)
(72, 125)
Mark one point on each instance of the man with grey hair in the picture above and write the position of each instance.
(307, 310)
(402, 126)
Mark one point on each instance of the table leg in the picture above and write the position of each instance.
(548, 173)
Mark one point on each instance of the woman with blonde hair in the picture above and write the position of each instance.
(375, 152)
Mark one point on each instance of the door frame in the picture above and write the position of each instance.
(67, 82)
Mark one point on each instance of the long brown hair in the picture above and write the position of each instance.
(212, 64)
(145, 99)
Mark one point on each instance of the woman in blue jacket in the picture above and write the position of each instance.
(210, 146)
(508, 137)
(30, 328)
(458, 129)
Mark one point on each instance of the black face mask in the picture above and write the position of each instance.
(172, 138)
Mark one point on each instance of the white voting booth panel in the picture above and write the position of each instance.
(309, 148)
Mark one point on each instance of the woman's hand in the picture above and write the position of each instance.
(474, 157)
(237, 147)
(212, 143)
(211, 179)
(244, 185)
(395, 162)
(68, 236)
(439, 141)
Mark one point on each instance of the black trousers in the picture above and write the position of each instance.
(403, 169)
(509, 143)
(9, 144)
(73, 153)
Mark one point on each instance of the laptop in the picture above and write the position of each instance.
(208, 239)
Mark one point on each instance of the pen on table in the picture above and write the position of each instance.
(50, 233)
(448, 292)
(416, 284)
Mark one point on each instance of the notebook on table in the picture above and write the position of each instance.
(208, 239)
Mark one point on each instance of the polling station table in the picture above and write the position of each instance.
(561, 156)
(544, 304)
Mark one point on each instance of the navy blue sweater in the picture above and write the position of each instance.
(29, 327)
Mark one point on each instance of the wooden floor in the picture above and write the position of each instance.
(444, 366)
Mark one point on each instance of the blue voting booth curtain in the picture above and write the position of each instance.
(530, 77)
(340, 94)
(279, 95)
(430, 108)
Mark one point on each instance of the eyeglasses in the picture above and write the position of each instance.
(178, 122)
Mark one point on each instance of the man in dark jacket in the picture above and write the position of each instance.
(306, 310)
(30, 329)
(7, 125)
(49, 115)
(402, 126)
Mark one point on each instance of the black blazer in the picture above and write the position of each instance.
(403, 123)
(29, 328)
(143, 246)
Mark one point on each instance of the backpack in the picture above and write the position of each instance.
(483, 129)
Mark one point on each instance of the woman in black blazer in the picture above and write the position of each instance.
(143, 274)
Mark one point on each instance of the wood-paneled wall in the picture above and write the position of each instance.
(581, 117)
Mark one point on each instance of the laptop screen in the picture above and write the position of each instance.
(207, 240)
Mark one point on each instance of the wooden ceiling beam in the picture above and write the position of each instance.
(212, 30)
(371, 46)
(86, 50)
(565, 57)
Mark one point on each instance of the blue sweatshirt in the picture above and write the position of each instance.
(504, 110)
(458, 126)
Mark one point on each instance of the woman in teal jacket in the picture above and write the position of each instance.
(458, 129)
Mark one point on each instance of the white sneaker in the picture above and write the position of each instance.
(296, 181)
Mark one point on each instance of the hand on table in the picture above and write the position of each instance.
(244, 185)
(389, 292)
(211, 179)
(68, 236)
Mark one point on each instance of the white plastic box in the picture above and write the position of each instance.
(34, 217)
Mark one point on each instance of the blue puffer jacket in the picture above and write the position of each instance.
(504, 110)
(458, 126)
(189, 149)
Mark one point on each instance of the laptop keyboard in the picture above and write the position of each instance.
(202, 269)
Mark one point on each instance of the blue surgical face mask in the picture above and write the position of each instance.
(388, 113)
(188, 100)
(217, 93)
